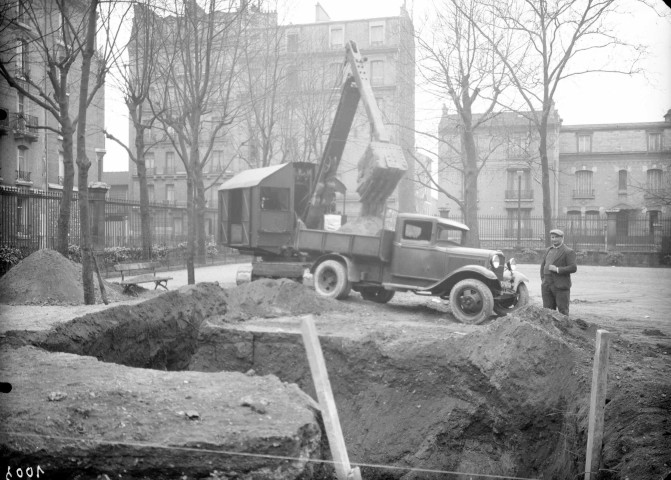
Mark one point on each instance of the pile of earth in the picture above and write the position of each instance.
(367, 225)
(46, 277)
(271, 298)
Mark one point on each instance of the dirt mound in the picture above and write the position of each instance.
(48, 278)
(363, 226)
(269, 298)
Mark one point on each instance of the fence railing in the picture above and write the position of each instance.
(30, 221)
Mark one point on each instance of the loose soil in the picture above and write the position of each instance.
(416, 390)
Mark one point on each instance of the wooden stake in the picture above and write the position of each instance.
(597, 405)
(327, 404)
(101, 283)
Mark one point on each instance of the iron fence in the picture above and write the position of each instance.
(30, 221)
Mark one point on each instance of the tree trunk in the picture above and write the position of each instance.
(145, 214)
(200, 215)
(470, 163)
(68, 182)
(545, 177)
(191, 228)
(83, 163)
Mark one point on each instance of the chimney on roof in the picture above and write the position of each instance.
(667, 117)
(320, 14)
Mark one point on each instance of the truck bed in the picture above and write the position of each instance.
(350, 244)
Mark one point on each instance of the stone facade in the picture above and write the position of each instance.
(594, 169)
(31, 156)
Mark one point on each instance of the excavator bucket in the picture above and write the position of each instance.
(380, 170)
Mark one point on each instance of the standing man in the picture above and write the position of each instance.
(556, 268)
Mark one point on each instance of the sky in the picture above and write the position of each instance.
(596, 98)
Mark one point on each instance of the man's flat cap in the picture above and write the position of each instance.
(557, 232)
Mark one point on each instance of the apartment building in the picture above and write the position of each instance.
(509, 182)
(31, 152)
(618, 170)
(305, 70)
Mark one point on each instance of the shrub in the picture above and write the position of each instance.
(528, 255)
(614, 258)
(10, 256)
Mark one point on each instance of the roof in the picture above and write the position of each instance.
(251, 177)
(441, 220)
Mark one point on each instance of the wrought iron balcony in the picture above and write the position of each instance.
(519, 194)
(583, 193)
(24, 126)
(22, 176)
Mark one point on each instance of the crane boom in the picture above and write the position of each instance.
(383, 164)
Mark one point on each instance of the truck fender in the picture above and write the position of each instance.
(352, 270)
(517, 278)
(478, 272)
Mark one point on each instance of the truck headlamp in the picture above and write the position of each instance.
(495, 261)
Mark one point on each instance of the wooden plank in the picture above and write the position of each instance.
(327, 403)
(597, 405)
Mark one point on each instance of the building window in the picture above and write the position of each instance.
(525, 230)
(217, 164)
(622, 181)
(654, 142)
(377, 72)
(583, 184)
(514, 190)
(376, 30)
(517, 145)
(22, 172)
(169, 162)
(654, 183)
(593, 225)
(150, 163)
(21, 12)
(22, 58)
(151, 194)
(584, 143)
(292, 42)
(170, 193)
(22, 216)
(336, 37)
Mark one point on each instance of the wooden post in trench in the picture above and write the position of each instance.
(597, 405)
(327, 404)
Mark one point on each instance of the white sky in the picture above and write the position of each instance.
(588, 99)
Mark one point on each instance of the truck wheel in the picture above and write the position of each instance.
(471, 301)
(377, 295)
(331, 280)
(508, 306)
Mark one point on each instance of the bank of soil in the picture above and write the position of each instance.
(415, 390)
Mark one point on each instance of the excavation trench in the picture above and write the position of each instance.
(508, 398)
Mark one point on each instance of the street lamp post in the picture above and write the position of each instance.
(519, 210)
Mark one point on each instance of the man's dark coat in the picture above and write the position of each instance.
(566, 265)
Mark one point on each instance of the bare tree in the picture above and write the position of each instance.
(198, 73)
(553, 40)
(64, 38)
(458, 63)
(135, 79)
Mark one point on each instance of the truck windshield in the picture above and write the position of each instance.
(449, 235)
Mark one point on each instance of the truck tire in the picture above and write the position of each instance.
(508, 306)
(377, 295)
(471, 301)
(331, 281)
